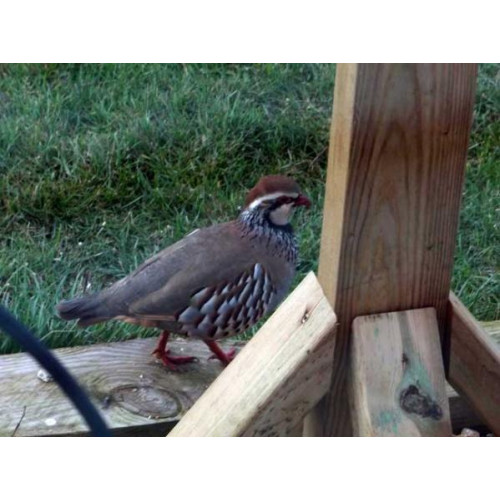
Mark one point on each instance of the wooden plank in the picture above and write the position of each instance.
(134, 392)
(462, 413)
(398, 146)
(93, 365)
(278, 376)
(492, 328)
(474, 364)
(397, 376)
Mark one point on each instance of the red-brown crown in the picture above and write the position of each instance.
(272, 184)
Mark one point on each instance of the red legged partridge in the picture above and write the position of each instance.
(216, 282)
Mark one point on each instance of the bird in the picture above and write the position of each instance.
(216, 282)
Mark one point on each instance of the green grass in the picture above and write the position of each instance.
(476, 276)
(101, 166)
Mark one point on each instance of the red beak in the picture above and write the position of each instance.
(302, 200)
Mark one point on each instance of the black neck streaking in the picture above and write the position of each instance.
(256, 224)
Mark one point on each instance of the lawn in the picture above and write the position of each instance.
(103, 165)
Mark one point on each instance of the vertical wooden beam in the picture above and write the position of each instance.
(395, 173)
(397, 382)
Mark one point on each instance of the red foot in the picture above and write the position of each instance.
(224, 357)
(168, 360)
(172, 362)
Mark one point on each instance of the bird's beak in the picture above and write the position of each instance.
(302, 200)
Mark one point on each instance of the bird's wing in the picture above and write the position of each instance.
(165, 283)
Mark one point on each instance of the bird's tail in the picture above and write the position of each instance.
(86, 309)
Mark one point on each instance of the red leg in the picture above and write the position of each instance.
(162, 353)
(224, 357)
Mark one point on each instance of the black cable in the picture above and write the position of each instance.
(48, 361)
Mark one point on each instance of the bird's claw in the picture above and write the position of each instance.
(225, 357)
(173, 362)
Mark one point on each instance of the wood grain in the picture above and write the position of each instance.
(277, 378)
(474, 364)
(461, 412)
(125, 362)
(397, 382)
(133, 391)
(398, 146)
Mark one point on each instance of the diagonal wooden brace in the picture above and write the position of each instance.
(474, 364)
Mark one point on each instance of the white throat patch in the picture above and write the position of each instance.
(281, 215)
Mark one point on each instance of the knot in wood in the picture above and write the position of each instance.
(147, 401)
(413, 400)
(305, 317)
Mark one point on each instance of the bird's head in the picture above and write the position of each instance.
(276, 196)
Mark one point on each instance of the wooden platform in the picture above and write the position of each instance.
(136, 395)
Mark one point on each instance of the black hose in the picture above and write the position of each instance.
(49, 362)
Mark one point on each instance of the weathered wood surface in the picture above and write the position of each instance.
(396, 164)
(492, 328)
(135, 393)
(397, 376)
(462, 413)
(100, 366)
(474, 364)
(278, 376)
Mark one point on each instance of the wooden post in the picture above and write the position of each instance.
(395, 173)
(397, 382)
(277, 378)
